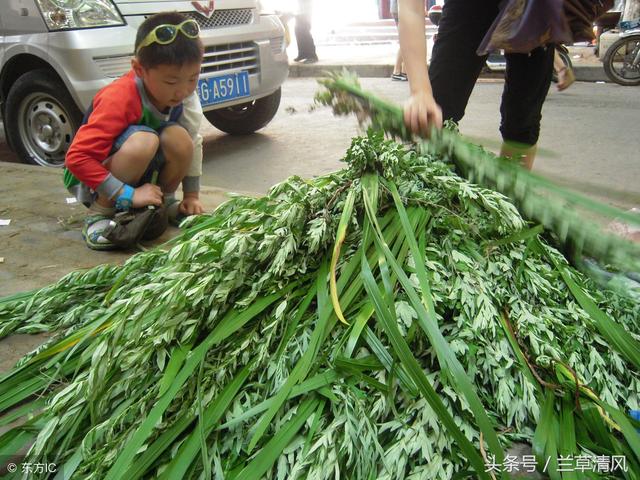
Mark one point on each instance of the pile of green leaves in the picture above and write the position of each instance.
(391, 320)
(563, 212)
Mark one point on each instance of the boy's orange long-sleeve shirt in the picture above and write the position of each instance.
(114, 108)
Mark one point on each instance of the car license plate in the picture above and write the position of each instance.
(220, 89)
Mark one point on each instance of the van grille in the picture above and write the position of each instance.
(113, 67)
(223, 18)
(277, 45)
(223, 58)
(231, 57)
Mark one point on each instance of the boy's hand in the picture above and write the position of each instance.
(190, 204)
(147, 194)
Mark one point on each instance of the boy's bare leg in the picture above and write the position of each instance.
(127, 164)
(131, 161)
(525, 154)
(177, 146)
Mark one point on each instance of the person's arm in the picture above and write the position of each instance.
(190, 119)
(421, 111)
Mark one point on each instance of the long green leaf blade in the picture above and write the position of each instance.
(221, 332)
(272, 450)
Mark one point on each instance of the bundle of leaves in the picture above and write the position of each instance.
(565, 213)
(391, 320)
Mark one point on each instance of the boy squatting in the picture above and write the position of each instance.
(141, 126)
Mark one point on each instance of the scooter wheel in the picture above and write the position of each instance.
(622, 61)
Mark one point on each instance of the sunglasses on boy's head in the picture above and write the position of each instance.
(165, 34)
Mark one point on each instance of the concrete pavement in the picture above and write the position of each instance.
(587, 139)
(43, 242)
(377, 60)
(589, 127)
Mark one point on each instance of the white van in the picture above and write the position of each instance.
(56, 54)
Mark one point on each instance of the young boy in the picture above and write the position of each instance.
(141, 127)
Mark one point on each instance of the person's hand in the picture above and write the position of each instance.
(147, 194)
(421, 113)
(190, 205)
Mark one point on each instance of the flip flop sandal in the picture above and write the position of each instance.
(94, 230)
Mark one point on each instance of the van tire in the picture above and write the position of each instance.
(247, 117)
(41, 118)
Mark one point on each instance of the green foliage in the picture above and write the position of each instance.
(566, 214)
(222, 347)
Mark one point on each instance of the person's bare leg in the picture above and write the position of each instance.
(128, 164)
(398, 68)
(565, 74)
(131, 161)
(177, 147)
(525, 154)
(557, 62)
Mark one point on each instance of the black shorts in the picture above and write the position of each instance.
(455, 68)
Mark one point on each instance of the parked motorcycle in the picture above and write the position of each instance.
(605, 23)
(622, 60)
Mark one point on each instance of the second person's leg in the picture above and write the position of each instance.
(526, 85)
(455, 65)
(306, 46)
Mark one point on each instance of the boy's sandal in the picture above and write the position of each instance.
(94, 230)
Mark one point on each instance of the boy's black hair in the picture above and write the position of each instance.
(181, 51)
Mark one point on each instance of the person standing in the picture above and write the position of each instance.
(398, 70)
(444, 91)
(306, 45)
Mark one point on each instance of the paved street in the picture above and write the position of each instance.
(589, 138)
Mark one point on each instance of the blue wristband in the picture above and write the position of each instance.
(125, 199)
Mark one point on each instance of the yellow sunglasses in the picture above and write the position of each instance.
(165, 34)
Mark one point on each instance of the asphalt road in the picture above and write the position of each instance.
(589, 138)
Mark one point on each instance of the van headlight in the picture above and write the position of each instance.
(72, 14)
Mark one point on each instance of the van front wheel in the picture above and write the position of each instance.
(247, 117)
(41, 118)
